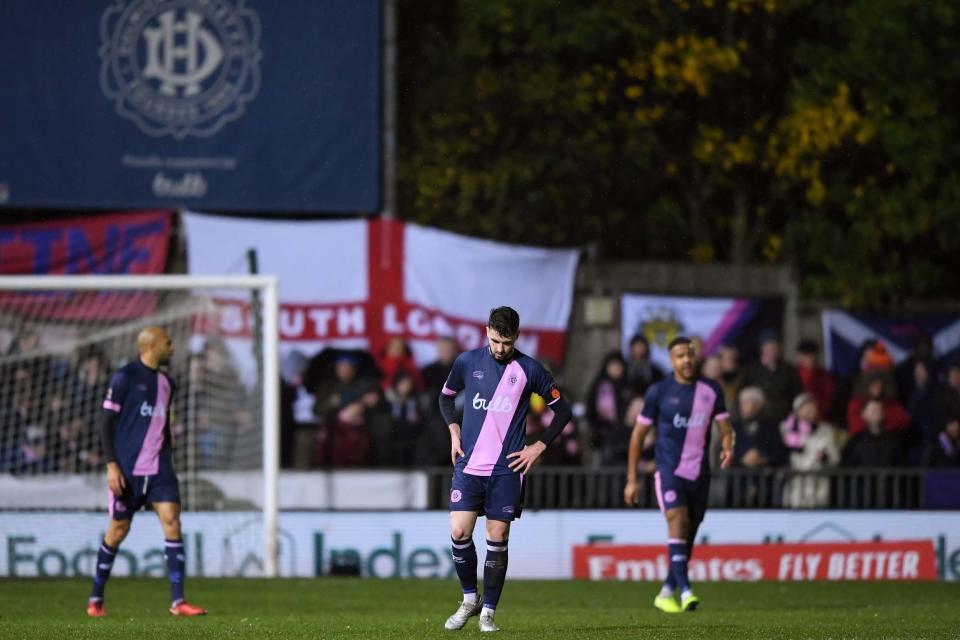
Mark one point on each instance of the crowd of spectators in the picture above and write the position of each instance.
(352, 408)
(796, 414)
(346, 408)
(48, 407)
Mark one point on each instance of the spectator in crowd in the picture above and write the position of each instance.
(345, 439)
(699, 351)
(436, 434)
(641, 370)
(341, 410)
(777, 379)
(30, 455)
(343, 388)
(22, 405)
(758, 442)
(867, 358)
(434, 375)
(407, 420)
(711, 368)
(397, 357)
(876, 385)
(810, 442)
(875, 445)
(944, 450)
(226, 433)
(298, 422)
(607, 404)
(812, 446)
(731, 378)
(950, 393)
(814, 378)
(925, 404)
(904, 373)
(566, 449)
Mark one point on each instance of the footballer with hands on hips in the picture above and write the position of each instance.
(489, 457)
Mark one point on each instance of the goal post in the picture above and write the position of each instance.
(105, 311)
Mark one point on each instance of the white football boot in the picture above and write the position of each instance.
(466, 611)
(486, 621)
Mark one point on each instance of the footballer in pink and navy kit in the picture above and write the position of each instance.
(489, 456)
(137, 446)
(682, 408)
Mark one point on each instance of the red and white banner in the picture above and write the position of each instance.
(114, 243)
(898, 560)
(357, 283)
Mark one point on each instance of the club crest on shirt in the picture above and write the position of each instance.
(478, 375)
(513, 379)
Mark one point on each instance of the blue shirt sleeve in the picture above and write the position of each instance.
(454, 383)
(651, 406)
(116, 392)
(542, 383)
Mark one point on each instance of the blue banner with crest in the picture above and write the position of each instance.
(237, 105)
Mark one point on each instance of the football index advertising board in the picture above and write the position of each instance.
(244, 105)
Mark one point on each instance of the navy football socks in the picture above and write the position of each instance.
(105, 557)
(494, 573)
(678, 553)
(176, 560)
(465, 561)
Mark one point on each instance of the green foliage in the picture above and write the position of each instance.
(819, 135)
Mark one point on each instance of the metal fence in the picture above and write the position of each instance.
(583, 488)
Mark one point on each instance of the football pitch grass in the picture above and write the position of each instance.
(415, 609)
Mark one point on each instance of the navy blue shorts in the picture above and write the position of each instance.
(144, 491)
(674, 491)
(497, 497)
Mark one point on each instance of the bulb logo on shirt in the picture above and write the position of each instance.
(501, 404)
(696, 420)
(148, 410)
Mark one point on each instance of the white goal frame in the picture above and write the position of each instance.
(267, 287)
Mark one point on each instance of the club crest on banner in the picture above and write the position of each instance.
(660, 325)
(180, 69)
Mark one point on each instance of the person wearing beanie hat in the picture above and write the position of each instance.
(878, 358)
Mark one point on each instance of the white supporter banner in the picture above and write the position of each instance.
(416, 544)
(355, 284)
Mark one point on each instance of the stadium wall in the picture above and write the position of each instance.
(414, 544)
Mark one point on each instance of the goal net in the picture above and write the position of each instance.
(61, 338)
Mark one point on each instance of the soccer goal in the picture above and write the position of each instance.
(61, 337)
